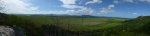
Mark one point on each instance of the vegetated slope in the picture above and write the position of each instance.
(136, 27)
(140, 20)
(27, 26)
(140, 24)
(44, 30)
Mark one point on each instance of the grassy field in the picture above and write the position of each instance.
(75, 24)
(78, 26)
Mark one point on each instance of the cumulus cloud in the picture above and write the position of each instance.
(108, 9)
(115, 1)
(82, 11)
(136, 14)
(72, 6)
(93, 1)
(68, 2)
(111, 6)
(24, 7)
(17, 6)
(128, 1)
(85, 11)
(145, 1)
(71, 11)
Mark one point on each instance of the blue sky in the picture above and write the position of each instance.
(111, 8)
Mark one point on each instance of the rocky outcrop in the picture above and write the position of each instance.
(11, 31)
(6, 31)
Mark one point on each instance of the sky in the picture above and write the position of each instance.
(110, 8)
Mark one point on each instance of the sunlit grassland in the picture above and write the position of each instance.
(75, 24)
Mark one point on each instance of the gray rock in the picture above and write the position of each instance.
(11, 31)
(6, 31)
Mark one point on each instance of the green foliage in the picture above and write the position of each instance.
(75, 24)
(28, 26)
(70, 26)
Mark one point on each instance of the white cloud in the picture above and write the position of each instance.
(24, 7)
(93, 1)
(72, 6)
(85, 11)
(67, 2)
(135, 14)
(145, 1)
(48, 12)
(115, 1)
(108, 9)
(18, 6)
(71, 11)
(55, 12)
(128, 1)
(103, 10)
(111, 6)
(82, 11)
(124, 1)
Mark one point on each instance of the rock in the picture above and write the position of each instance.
(11, 31)
(6, 31)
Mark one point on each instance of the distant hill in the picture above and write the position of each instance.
(67, 15)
